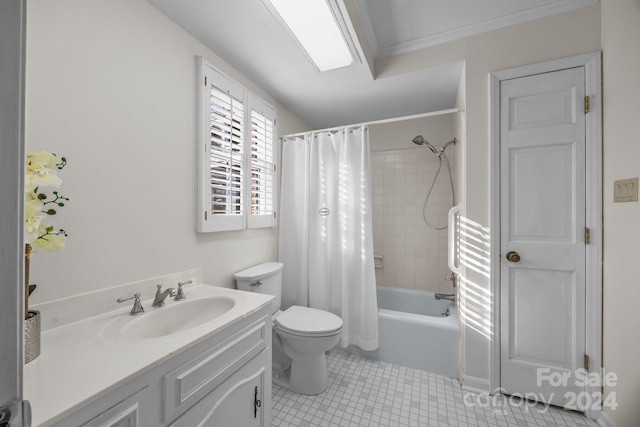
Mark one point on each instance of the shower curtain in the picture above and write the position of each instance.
(326, 232)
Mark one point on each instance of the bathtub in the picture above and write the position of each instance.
(416, 331)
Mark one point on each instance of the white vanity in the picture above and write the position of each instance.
(170, 366)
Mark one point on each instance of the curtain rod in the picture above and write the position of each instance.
(383, 121)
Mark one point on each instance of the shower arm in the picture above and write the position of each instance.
(453, 141)
(440, 150)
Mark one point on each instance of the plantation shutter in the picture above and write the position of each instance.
(261, 164)
(236, 155)
(222, 184)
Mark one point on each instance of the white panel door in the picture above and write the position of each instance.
(542, 149)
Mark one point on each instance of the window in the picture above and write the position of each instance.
(236, 151)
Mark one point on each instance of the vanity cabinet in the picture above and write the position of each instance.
(223, 380)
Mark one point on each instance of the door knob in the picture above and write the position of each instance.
(513, 256)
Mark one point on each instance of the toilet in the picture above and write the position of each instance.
(301, 335)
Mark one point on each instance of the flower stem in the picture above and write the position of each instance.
(27, 257)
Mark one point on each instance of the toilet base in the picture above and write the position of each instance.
(308, 376)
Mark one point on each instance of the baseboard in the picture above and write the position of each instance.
(475, 384)
(605, 421)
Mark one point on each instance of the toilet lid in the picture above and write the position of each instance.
(308, 321)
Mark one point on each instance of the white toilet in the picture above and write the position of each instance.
(301, 335)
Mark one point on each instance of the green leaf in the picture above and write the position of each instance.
(32, 288)
(42, 196)
(51, 212)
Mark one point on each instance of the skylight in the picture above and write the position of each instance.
(314, 23)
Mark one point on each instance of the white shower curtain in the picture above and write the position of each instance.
(326, 232)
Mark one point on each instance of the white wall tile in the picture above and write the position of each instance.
(414, 255)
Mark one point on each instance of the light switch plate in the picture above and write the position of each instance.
(625, 190)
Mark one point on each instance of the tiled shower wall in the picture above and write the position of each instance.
(414, 255)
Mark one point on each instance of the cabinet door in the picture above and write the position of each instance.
(190, 382)
(131, 412)
(242, 400)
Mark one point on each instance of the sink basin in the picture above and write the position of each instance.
(174, 317)
(177, 317)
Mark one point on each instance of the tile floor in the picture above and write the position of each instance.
(364, 392)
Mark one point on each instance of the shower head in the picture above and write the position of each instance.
(419, 140)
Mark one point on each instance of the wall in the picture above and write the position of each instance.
(111, 85)
(621, 91)
(554, 37)
(415, 256)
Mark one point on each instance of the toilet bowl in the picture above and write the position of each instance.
(301, 335)
(306, 334)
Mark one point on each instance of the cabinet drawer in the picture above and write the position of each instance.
(187, 384)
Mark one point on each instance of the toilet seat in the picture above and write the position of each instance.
(308, 322)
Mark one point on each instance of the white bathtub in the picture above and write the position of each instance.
(415, 331)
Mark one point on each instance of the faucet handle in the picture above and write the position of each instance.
(451, 277)
(158, 289)
(137, 306)
(180, 294)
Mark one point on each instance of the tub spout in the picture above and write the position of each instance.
(449, 297)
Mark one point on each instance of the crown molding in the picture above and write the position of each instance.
(557, 7)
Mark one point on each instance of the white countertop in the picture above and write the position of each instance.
(79, 363)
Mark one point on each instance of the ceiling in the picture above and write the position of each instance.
(247, 36)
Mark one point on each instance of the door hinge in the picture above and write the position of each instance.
(587, 236)
(205, 80)
(586, 362)
(274, 215)
(205, 215)
(586, 104)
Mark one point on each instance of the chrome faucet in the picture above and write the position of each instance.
(180, 294)
(158, 301)
(448, 297)
(137, 307)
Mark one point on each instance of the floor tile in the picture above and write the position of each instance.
(365, 392)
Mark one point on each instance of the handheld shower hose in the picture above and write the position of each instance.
(440, 152)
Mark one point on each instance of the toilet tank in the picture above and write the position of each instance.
(265, 278)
